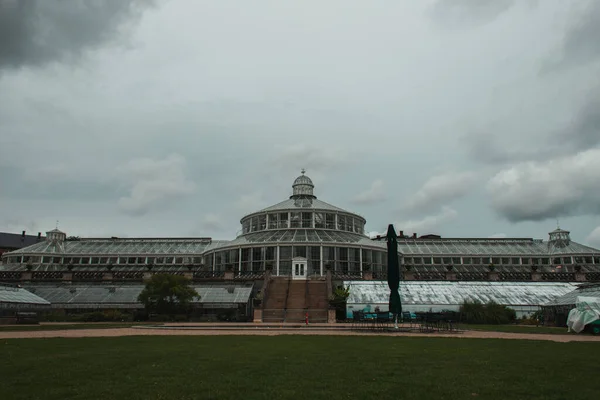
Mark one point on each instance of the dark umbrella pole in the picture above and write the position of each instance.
(395, 305)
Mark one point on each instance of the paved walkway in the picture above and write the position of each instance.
(281, 329)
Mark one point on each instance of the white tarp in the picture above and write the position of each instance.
(587, 310)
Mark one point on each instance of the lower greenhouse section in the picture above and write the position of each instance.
(523, 297)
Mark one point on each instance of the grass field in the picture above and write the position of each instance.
(553, 330)
(292, 367)
(58, 327)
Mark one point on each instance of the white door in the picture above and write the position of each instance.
(299, 270)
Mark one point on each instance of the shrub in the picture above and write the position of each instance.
(475, 312)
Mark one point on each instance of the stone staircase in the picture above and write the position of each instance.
(288, 301)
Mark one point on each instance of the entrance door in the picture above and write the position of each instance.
(299, 270)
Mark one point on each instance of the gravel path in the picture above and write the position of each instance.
(78, 333)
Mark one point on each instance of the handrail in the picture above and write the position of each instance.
(287, 296)
(306, 295)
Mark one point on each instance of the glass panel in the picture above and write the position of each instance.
(447, 260)
(300, 251)
(254, 224)
(341, 222)
(273, 221)
(246, 226)
(306, 219)
(466, 260)
(330, 221)
(515, 261)
(262, 222)
(319, 220)
(283, 220)
(505, 260)
(567, 260)
(295, 219)
(437, 260)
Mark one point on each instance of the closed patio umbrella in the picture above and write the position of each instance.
(393, 273)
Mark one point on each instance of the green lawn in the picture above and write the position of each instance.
(292, 367)
(58, 327)
(553, 330)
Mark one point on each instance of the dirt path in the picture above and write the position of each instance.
(79, 333)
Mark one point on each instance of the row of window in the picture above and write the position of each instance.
(104, 260)
(310, 252)
(564, 260)
(306, 219)
(268, 255)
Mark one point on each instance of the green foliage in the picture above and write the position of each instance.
(167, 294)
(475, 312)
(340, 294)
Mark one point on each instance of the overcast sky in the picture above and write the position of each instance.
(175, 118)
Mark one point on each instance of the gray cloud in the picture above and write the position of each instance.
(535, 191)
(154, 183)
(428, 224)
(580, 44)
(35, 32)
(469, 12)
(441, 189)
(373, 195)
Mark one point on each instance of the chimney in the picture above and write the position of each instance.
(401, 234)
(414, 235)
(23, 234)
(39, 236)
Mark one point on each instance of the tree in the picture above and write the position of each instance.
(167, 294)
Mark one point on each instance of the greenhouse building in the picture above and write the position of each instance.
(291, 255)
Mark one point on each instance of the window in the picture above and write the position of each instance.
(246, 226)
(567, 260)
(273, 221)
(495, 260)
(418, 260)
(330, 221)
(262, 222)
(437, 260)
(467, 260)
(319, 220)
(446, 260)
(306, 219)
(456, 260)
(283, 220)
(103, 260)
(141, 260)
(427, 260)
(95, 260)
(168, 260)
(515, 261)
(588, 259)
(545, 261)
(295, 220)
(254, 224)
(505, 260)
(150, 260)
(46, 260)
(160, 260)
(341, 222)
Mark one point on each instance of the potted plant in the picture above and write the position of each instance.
(258, 299)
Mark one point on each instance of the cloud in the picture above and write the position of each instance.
(211, 223)
(535, 191)
(153, 184)
(250, 202)
(441, 189)
(593, 238)
(465, 13)
(374, 194)
(313, 158)
(429, 224)
(580, 44)
(35, 32)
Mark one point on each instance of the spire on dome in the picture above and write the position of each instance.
(303, 186)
